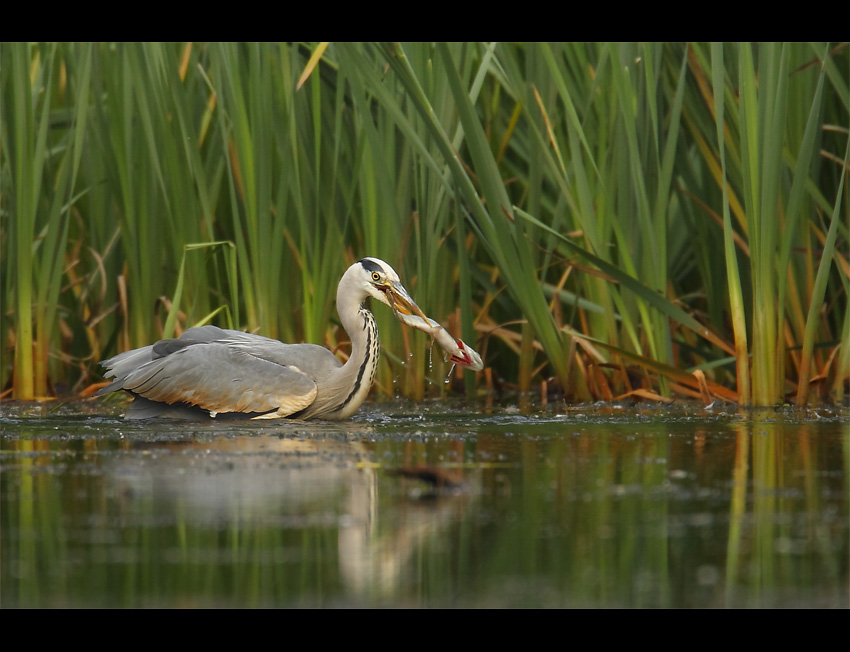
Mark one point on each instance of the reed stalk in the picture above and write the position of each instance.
(733, 277)
(42, 157)
(537, 199)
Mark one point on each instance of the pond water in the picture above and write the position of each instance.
(421, 505)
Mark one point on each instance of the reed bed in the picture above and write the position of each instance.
(599, 220)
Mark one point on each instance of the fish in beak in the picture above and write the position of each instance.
(401, 302)
(407, 312)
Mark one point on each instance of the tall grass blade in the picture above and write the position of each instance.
(46, 160)
(230, 265)
(523, 191)
(819, 289)
(733, 278)
(652, 298)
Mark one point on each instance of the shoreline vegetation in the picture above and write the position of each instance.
(597, 220)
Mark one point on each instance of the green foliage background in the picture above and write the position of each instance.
(613, 216)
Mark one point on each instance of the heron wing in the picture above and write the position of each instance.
(224, 371)
(316, 361)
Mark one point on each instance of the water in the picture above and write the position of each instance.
(597, 506)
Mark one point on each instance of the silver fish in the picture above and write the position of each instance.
(457, 351)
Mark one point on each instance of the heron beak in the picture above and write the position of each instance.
(401, 302)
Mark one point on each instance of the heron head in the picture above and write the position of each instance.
(382, 283)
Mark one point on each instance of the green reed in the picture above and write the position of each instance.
(768, 149)
(42, 151)
(681, 206)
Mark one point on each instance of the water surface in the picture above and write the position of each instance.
(593, 506)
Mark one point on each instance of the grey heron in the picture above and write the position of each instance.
(215, 371)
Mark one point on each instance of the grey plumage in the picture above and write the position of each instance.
(215, 371)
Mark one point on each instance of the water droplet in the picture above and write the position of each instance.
(449, 377)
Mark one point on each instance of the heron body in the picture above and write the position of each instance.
(214, 371)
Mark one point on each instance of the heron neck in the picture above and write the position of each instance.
(358, 373)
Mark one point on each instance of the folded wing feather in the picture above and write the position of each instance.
(224, 371)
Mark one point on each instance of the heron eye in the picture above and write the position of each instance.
(376, 277)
